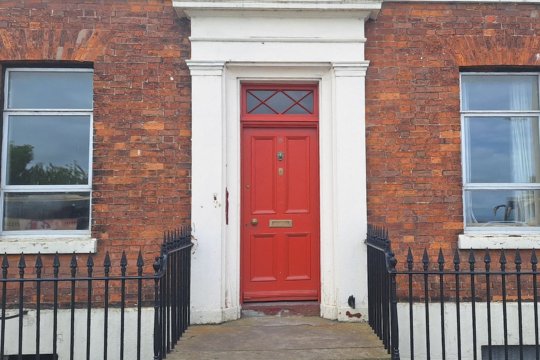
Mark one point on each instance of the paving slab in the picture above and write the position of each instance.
(273, 337)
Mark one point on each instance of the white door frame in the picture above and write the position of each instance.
(220, 62)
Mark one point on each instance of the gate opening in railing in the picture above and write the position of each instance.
(457, 305)
(76, 308)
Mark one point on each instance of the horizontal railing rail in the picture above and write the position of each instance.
(58, 308)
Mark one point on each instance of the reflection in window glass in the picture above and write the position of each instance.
(46, 211)
(502, 207)
(503, 149)
(499, 92)
(55, 151)
(46, 185)
(50, 90)
(501, 138)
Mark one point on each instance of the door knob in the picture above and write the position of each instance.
(254, 221)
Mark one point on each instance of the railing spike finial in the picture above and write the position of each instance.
(392, 261)
(425, 259)
(517, 260)
(157, 264)
(410, 259)
(90, 264)
(107, 263)
(140, 260)
(502, 259)
(472, 259)
(56, 260)
(73, 265)
(534, 259)
(457, 259)
(39, 264)
(123, 263)
(487, 259)
(56, 264)
(22, 264)
(440, 260)
(5, 265)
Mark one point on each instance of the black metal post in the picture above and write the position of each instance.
(392, 262)
(157, 306)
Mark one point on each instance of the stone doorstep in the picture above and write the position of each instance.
(280, 338)
(281, 308)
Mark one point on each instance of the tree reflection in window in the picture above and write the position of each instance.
(20, 156)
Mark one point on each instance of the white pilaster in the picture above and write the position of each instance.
(350, 206)
(207, 190)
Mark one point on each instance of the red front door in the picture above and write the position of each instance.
(280, 209)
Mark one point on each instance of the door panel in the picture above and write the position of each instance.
(264, 249)
(297, 189)
(263, 149)
(280, 213)
(298, 255)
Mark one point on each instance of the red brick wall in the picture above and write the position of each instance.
(413, 120)
(141, 159)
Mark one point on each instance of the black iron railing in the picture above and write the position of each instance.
(476, 308)
(382, 296)
(103, 311)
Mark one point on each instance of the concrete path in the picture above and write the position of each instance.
(279, 338)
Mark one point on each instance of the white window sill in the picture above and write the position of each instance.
(63, 244)
(499, 241)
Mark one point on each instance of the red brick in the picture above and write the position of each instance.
(412, 108)
(137, 106)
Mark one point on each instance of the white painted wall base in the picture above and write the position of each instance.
(96, 337)
(450, 326)
(215, 316)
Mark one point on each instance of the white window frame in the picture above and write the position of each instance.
(7, 112)
(492, 230)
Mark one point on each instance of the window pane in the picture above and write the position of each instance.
(304, 99)
(503, 150)
(279, 102)
(502, 207)
(50, 90)
(48, 149)
(255, 102)
(46, 211)
(499, 92)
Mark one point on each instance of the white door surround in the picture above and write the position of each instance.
(277, 41)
